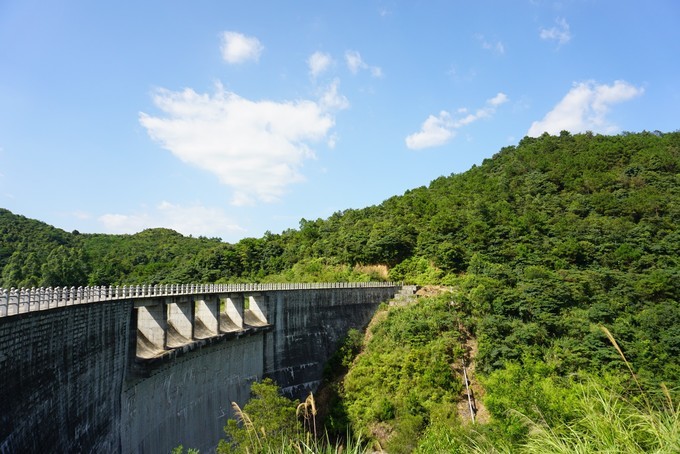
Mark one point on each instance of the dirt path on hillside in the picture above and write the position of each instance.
(476, 392)
(466, 367)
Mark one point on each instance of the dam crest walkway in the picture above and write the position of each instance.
(15, 301)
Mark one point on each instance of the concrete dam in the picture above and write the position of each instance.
(142, 369)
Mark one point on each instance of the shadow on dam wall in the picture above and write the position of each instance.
(72, 380)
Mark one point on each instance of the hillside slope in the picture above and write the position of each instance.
(552, 251)
(541, 245)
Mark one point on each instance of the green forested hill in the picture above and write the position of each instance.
(540, 245)
(546, 248)
(561, 202)
(33, 253)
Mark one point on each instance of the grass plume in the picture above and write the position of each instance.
(308, 411)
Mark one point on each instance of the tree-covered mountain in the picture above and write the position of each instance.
(540, 246)
(569, 287)
(561, 202)
(33, 253)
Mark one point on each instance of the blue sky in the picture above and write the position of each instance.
(228, 119)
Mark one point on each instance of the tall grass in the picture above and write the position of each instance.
(305, 443)
(605, 421)
(307, 410)
(611, 422)
(254, 437)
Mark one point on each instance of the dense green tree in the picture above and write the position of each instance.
(64, 267)
(265, 424)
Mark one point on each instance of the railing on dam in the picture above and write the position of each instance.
(18, 301)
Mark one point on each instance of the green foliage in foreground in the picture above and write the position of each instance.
(271, 423)
(601, 419)
(180, 450)
(264, 423)
(606, 421)
(404, 379)
(396, 394)
(535, 411)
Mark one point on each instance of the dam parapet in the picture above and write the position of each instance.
(15, 301)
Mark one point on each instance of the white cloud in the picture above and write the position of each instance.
(354, 61)
(560, 33)
(194, 220)
(239, 48)
(376, 71)
(332, 141)
(497, 100)
(585, 108)
(254, 147)
(438, 130)
(318, 63)
(355, 64)
(496, 47)
(435, 131)
(331, 99)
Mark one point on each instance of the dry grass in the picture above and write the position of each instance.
(244, 419)
(379, 271)
(432, 290)
(307, 410)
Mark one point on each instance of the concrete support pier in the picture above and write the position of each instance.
(206, 317)
(231, 319)
(151, 329)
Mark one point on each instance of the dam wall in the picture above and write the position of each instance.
(145, 374)
(306, 334)
(62, 373)
(187, 401)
